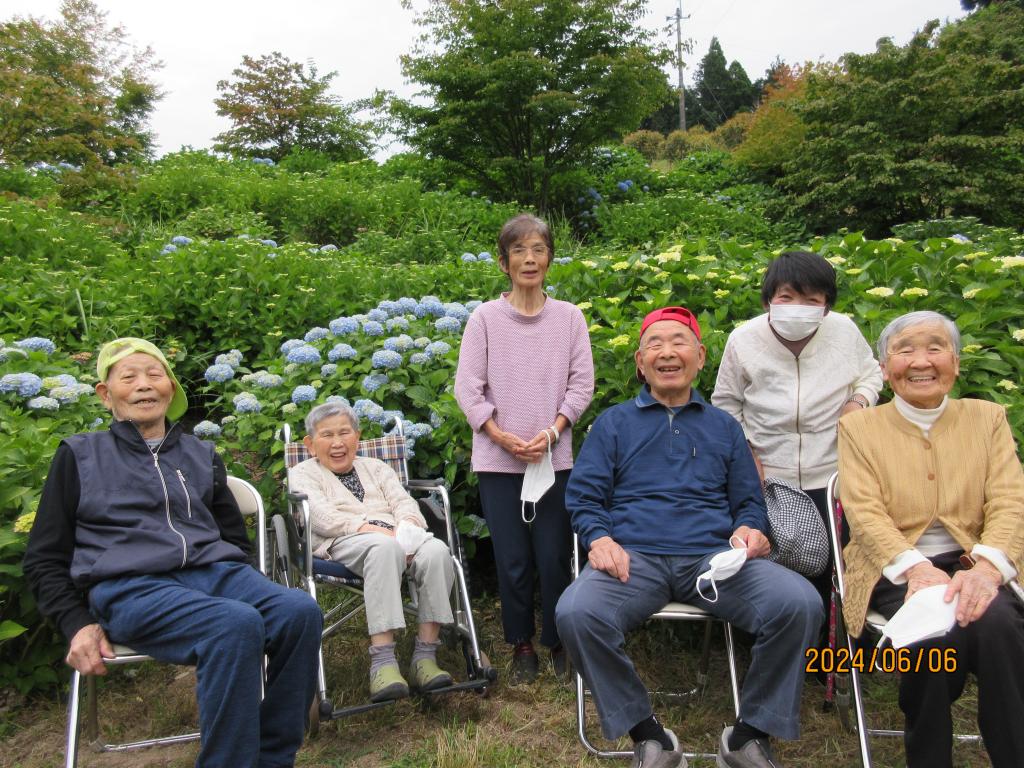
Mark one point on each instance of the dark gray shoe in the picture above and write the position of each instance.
(756, 753)
(650, 754)
(524, 664)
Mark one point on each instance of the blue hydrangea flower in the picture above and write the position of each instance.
(386, 358)
(430, 305)
(328, 369)
(228, 419)
(438, 349)
(360, 318)
(448, 325)
(958, 238)
(246, 402)
(390, 308)
(472, 305)
(289, 408)
(317, 333)
(435, 420)
(563, 260)
(341, 352)
(550, 289)
(419, 358)
(206, 429)
(25, 384)
(400, 343)
(374, 381)
(267, 380)
(60, 380)
(407, 305)
(456, 310)
(304, 393)
(37, 344)
(420, 342)
(469, 257)
(271, 243)
(219, 373)
(96, 422)
(342, 325)
(304, 354)
(409, 451)
(397, 324)
(484, 256)
(291, 344)
(416, 431)
(329, 247)
(232, 358)
(390, 417)
(373, 328)
(377, 315)
(646, 188)
(367, 409)
(180, 240)
(169, 248)
(337, 399)
(67, 395)
(43, 404)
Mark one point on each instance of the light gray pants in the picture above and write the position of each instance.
(380, 561)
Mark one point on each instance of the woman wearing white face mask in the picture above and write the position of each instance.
(789, 374)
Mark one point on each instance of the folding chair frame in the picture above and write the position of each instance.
(874, 622)
(249, 503)
(672, 612)
(292, 548)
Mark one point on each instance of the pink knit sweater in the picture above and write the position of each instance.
(522, 372)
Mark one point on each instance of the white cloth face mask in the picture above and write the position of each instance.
(411, 537)
(720, 567)
(794, 322)
(926, 614)
(539, 477)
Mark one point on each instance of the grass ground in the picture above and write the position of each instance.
(516, 727)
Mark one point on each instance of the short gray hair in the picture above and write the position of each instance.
(920, 317)
(328, 411)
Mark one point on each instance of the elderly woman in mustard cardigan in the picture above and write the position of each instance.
(934, 494)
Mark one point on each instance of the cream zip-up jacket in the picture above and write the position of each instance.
(789, 406)
(334, 512)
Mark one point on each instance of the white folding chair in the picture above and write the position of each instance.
(671, 612)
(250, 503)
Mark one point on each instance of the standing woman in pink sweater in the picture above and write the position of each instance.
(525, 376)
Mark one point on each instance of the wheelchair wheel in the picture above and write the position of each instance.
(281, 567)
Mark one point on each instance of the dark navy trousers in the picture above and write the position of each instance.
(222, 619)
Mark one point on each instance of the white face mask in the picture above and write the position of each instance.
(795, 322)
(720, 567)
(539, 477)
(926, 614)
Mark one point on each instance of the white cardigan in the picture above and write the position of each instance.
(335, 512)
(789, 406)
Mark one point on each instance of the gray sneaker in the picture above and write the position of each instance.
(755, 754)
(650, 754)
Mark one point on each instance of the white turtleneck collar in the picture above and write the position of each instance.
(923, 418)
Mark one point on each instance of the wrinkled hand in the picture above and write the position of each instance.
(977, 588)
(536, 448)
(88, 648)
(924, 575)
(371, 528)
(757, 543)
(506, 440)
(849, 408)
(606, 555)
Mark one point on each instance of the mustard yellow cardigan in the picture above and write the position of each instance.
(894, 484)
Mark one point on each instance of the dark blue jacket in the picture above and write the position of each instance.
(661, 485)
(112, 507)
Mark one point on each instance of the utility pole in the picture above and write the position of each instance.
(679, 62)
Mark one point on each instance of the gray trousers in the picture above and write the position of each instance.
(778, 606)
(380, 561)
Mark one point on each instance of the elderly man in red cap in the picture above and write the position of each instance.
(667, 502)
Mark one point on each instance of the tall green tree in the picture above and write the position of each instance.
(275, 106)
(719, 90)
(74, 90)
(930, 129)
(519, 91)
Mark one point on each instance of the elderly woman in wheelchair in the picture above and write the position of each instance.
(361, 516)
(934, 494)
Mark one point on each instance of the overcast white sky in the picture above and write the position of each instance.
(202, 41)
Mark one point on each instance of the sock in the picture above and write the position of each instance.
(649, 729)
(742, 733)
(424, 650)
(381, 656)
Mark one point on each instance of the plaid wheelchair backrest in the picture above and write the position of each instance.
(390, 449)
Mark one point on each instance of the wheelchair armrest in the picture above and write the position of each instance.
(425, 484)
(297, 497)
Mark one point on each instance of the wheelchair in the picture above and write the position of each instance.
(295, 566)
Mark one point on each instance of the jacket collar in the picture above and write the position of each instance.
(129, 434)
(645, 399)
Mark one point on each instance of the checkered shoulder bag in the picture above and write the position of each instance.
(796, 530)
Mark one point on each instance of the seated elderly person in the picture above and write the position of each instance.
(934, 494)
(664, 489)
(138, 540)
(357, 506)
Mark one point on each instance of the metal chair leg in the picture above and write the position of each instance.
(71, 737)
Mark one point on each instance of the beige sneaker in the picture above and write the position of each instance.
(388, 684)
(427, 676)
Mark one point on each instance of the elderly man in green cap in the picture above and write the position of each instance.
(138, 540)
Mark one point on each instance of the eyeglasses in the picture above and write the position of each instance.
(535, 250)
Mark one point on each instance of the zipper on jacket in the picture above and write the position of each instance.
(799, 435)
(167, 497)
(188, 499)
